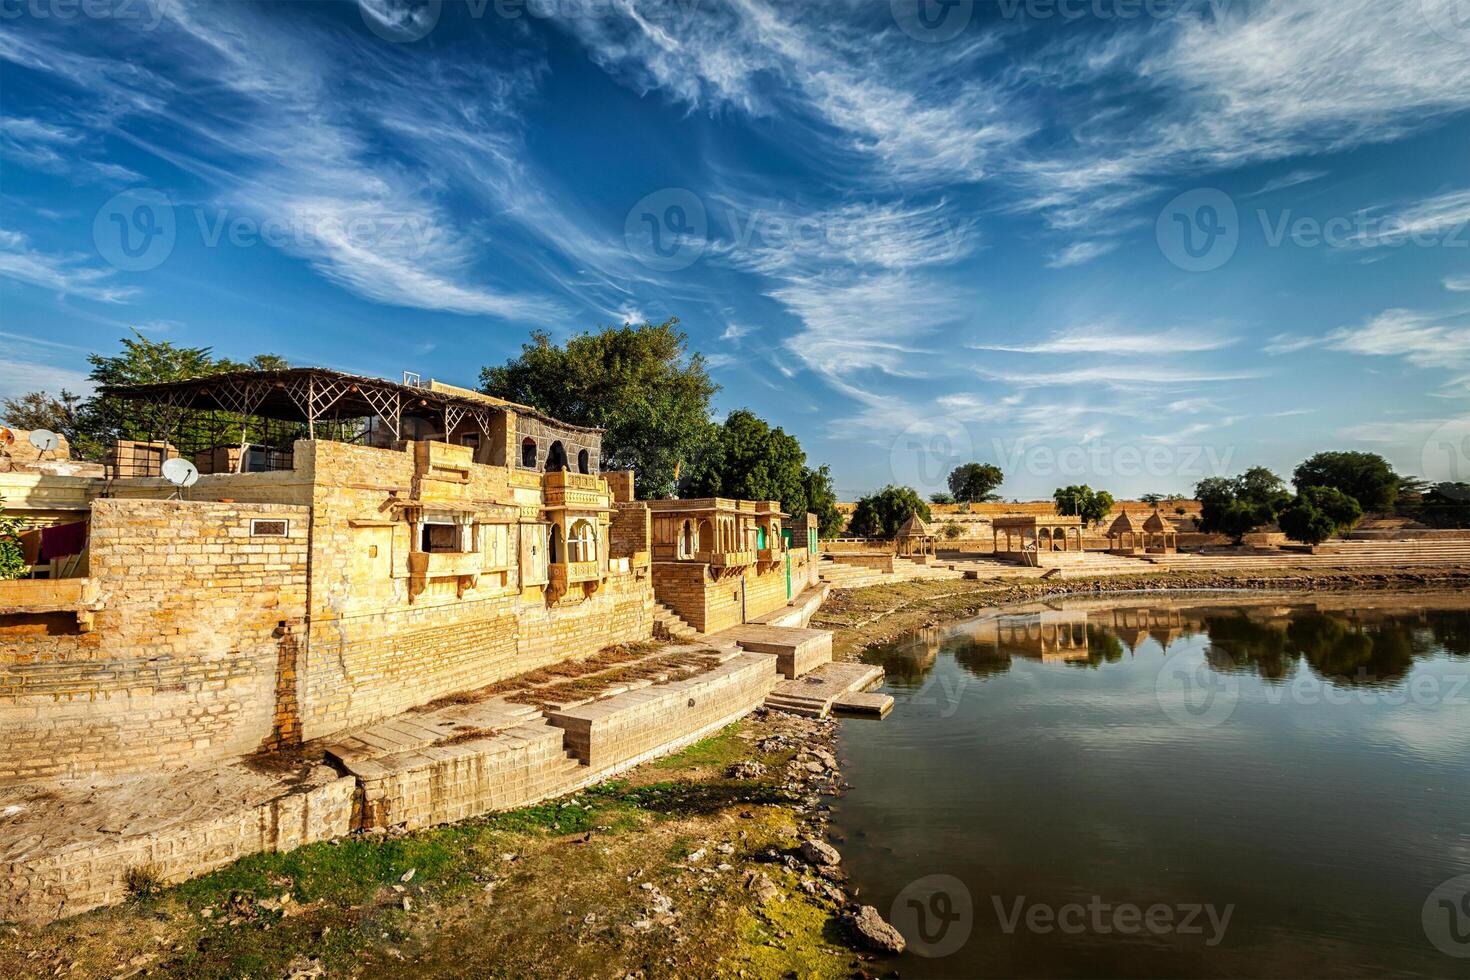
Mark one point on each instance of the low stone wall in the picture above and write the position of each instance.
(449, 782)
(58, 883)
(883, 562)
(618, 732)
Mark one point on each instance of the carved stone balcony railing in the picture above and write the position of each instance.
(726, 559)
(574, 491)
(768, 555)
(573, 573)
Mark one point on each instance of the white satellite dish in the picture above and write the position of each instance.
(180, 472)
(44, 440)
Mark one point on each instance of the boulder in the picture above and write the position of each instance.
(820, 852)
(874, 931)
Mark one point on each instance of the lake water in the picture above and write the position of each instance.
(1208, 786)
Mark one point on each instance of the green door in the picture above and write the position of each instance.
(788, 575)
(760, 537)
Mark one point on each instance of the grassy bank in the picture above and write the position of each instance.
(658, 874)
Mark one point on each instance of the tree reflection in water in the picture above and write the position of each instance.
(1353, 647)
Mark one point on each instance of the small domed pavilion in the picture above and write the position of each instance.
(914, 538)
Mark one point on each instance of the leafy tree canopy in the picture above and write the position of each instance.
(881, 514)
(90, 425)
(974, 482)
(1237, 506)
(637, 382)
(941, 498)
(748, 459)
(1089, 504)
(1366, 477)
(1318, 513)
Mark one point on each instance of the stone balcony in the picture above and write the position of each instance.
(768, 555)
(445, 564)
(565, 575)
(726, 559)
(574, 491)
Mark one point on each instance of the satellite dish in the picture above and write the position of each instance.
(180, 472)
(44, 440)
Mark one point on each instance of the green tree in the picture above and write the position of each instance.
(974, 482)
(747, 459)
(821, 500)
(12, 558)
(1366, 477)
(40, 410)
(941, 498)
(1089, 504)
(637, 382)
(1318, 513)
(952, 530)
(1238, 506)
(881, 514)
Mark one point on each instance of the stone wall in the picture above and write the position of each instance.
(621, 731)
(40, 883)
(373, 652)
(631, 530)
(712, 603)
(181, 662)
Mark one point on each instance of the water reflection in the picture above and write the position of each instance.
(1271, 639)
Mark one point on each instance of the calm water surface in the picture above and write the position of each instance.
(1208, 787)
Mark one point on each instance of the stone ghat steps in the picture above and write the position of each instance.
(669, 625)
(829, 688)
(413, 731)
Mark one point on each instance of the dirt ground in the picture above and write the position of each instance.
(690, 866)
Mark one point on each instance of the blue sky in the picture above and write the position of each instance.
(1125, 242)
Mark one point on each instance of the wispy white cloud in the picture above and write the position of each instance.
(18, 377)
(1458, 284)
(1445, 217)
(1422, 339)
(1079, 253)
(1123, 376)
(71, 274)
(56, 149)
(1286, 343)
(1294, 179)
(1107, 338)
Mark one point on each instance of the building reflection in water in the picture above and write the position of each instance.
(1338, 642)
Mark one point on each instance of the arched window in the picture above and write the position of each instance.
(584, 462)
(528, 453)
(706, 539)
(557, 550)
(686, 540)
(556, 458)
(582, 545)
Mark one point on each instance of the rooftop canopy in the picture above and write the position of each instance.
(309, 396)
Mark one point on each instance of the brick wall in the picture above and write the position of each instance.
(632, 528)
(712, 604)
(182, 659)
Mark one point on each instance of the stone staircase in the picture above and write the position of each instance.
(669, 625)
(852, 576)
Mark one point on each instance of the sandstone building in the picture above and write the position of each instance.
(355, 549)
